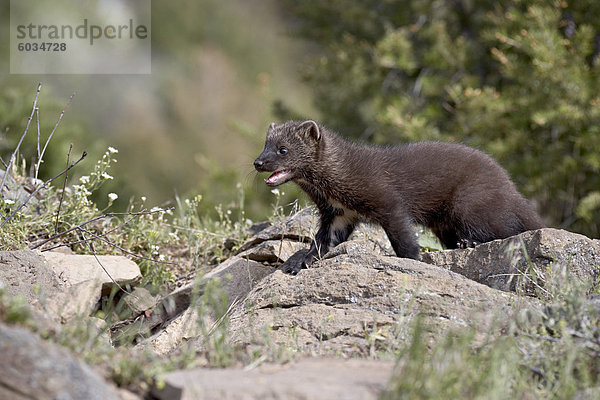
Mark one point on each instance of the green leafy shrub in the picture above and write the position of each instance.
(516, 78)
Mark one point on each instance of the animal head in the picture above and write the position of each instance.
(290, 149)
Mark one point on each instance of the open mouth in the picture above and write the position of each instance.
(279, 177)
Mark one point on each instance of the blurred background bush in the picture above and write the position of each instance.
(517, 79)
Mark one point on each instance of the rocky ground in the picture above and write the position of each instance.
(329, 332)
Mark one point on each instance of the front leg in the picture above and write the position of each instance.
(336, 226)
(401, 234)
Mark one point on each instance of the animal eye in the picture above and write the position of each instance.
(282, 150)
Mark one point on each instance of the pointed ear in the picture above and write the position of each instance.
(311, 128)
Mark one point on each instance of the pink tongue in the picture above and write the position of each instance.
(277, 177)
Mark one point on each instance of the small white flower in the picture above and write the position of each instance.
(113, 196)
(9, 201)
(275, 191)
(161, 257)
(228, 212)
(156, 209)
(106, 176)
(174, 235)
(112, 150)
(79, 189)
(143, 198)
(84, 179)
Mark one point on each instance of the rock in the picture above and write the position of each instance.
(73, 301)
(237, 277)
(127, 395)
(333, 307)
(73, 269)
(310, 378)
(357, 247)
(26, 274)
(298, 227)
(273, 251)
(258, 226)
(62, 285)
(183, 328)
(376, 238)
(138, 301)
(592, 393)
(20, 191)
(32, 369)
(504, 264)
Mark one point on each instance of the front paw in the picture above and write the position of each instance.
(294, 268)
(466, 244)
(295, 263)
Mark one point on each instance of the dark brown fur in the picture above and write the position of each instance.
(460, 193)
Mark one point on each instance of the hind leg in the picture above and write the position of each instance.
(447, 235)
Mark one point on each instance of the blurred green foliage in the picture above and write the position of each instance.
(516, 78)
(193, 126)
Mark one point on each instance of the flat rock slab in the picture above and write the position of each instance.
(73, 269)
(333, 307)
(273, 251)
(62, 286)
(309, 378)
(513, 262)
(33, 369)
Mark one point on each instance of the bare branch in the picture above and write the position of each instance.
(99, 263)
(103, 234)
(116, 246)
(14, 154)
(96, 218)
(41, 155)
(37, 120)
(62, 194)
(40, 188)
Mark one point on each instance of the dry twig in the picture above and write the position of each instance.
(96, 218)
(41, 155)
(43, 185)
(14, 154)
(98, 260)
(62, 194)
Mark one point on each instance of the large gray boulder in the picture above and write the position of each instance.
(33, 369)
(310, 378)
(350, 304)
(527, 261)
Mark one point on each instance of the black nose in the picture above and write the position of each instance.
(258, 163)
